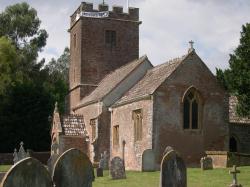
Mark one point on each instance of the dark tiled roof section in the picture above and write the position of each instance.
(233, 117)
(111, 81)
(73, 125)
(152, 80)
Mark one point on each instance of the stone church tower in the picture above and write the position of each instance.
(100, 42)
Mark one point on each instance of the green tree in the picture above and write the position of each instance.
(28, 89)
(236, 79)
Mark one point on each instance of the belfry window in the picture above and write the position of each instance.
(110, 38)
(137, 117)
(191, 108)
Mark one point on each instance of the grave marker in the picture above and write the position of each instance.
(173, 171)
(148, 160)
(206, 163)
(73, 168)
(117, 168)
(28, 172)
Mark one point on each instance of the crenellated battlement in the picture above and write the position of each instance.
(86, 10)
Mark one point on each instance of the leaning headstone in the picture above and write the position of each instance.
(28, 172)
(173, 171)
(234, 172)
(117, 168)
(206, 163)
(99, 172)
(148, 160)
(73, 168)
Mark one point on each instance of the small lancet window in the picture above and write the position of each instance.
(191, 107)
(137, 117)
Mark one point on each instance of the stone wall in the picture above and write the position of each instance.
(68, 142)
(102, 141)
(212, 133)
(241, 132)
(7, 158)
(223, 159)
(122, 116)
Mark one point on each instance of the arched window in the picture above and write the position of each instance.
(191, 109)
(233, 145)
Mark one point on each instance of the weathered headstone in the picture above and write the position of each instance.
(73, 168)
(99, 172)
(105, 160)
(148, 160)
(234, 172)
(117, 168)
(15, 159)
(206, 163)
(173, 171)
(21, 154)
(28, 172)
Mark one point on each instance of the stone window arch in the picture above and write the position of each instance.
(192, 109)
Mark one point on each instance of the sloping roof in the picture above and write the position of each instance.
(111, 81)
(233, 117)
(152, 80)
(73, 125)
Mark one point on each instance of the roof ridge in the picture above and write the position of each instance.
(142, 58)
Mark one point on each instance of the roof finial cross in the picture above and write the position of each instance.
(234, 172)
(103, 2)
(191, 46)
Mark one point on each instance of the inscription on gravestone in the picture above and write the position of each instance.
(73, 168)
(117, 168)
(173, 171)
(29, 172)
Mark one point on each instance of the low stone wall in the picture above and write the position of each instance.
(223, 159)
(7, 158)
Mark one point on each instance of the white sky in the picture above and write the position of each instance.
(168, 25)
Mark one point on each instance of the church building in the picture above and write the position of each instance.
(121, 103)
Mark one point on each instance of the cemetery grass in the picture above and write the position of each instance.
(196, 178)
(4, 168)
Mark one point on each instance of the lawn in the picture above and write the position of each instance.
(4, 168)
(196, 178)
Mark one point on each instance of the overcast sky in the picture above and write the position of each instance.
(167, 26)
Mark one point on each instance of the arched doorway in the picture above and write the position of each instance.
(233, 147)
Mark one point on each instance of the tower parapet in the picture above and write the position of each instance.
(86, 10)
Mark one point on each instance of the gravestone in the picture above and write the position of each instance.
(28, 172)
(148, 160)
(173, 171)
(234, 172)
(21, 154)
(117, 168)
(73, 168)
(206, 163)
(99, 172)
(105, 160)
